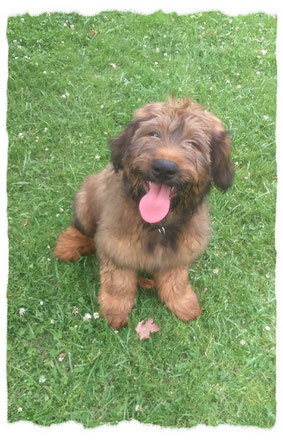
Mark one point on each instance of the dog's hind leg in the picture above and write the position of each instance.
(72, 244)
(78, 239)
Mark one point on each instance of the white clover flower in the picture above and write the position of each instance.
(215, 271)
(42, 379)
(20, 409)
(165, 54)
(87, 317)
(41, 302)
(44, 72)
(242, 342)
(62, 357)
(267, 328)
(96, 315)
(20, 135)
(157, 50)
(263, 51)
(265, 117)
(258, 72)
(138, 408)
(22, 311)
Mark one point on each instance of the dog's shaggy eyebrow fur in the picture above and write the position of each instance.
(107, 216)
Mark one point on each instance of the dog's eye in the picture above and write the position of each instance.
(154, 135)
(191, 143)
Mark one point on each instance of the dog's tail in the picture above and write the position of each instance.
(72, 244)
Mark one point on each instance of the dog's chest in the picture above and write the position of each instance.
(143, 248)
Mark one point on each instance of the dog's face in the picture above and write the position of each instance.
(169, 154)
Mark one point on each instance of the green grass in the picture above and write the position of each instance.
(219, 369)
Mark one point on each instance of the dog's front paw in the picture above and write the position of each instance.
(115, 310)
(186, 307)
(116, 321)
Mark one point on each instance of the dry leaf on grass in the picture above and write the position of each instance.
(144, 329)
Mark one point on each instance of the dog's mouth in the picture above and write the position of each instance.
(155, 204)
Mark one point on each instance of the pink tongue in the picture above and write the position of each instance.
(155, 205)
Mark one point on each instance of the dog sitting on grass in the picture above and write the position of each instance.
(147, 209)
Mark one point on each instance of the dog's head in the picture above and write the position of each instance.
(169, 154)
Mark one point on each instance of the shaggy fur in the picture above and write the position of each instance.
(107, 217)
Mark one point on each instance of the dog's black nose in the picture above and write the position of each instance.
(164, 169)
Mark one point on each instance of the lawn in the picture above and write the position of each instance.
(74, 82)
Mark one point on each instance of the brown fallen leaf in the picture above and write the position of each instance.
(146, 283)
(26, 222)
(144, 329)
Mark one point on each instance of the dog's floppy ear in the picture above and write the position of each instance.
(221, 166)
(120, 144)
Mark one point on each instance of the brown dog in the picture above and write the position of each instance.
(147, 209)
